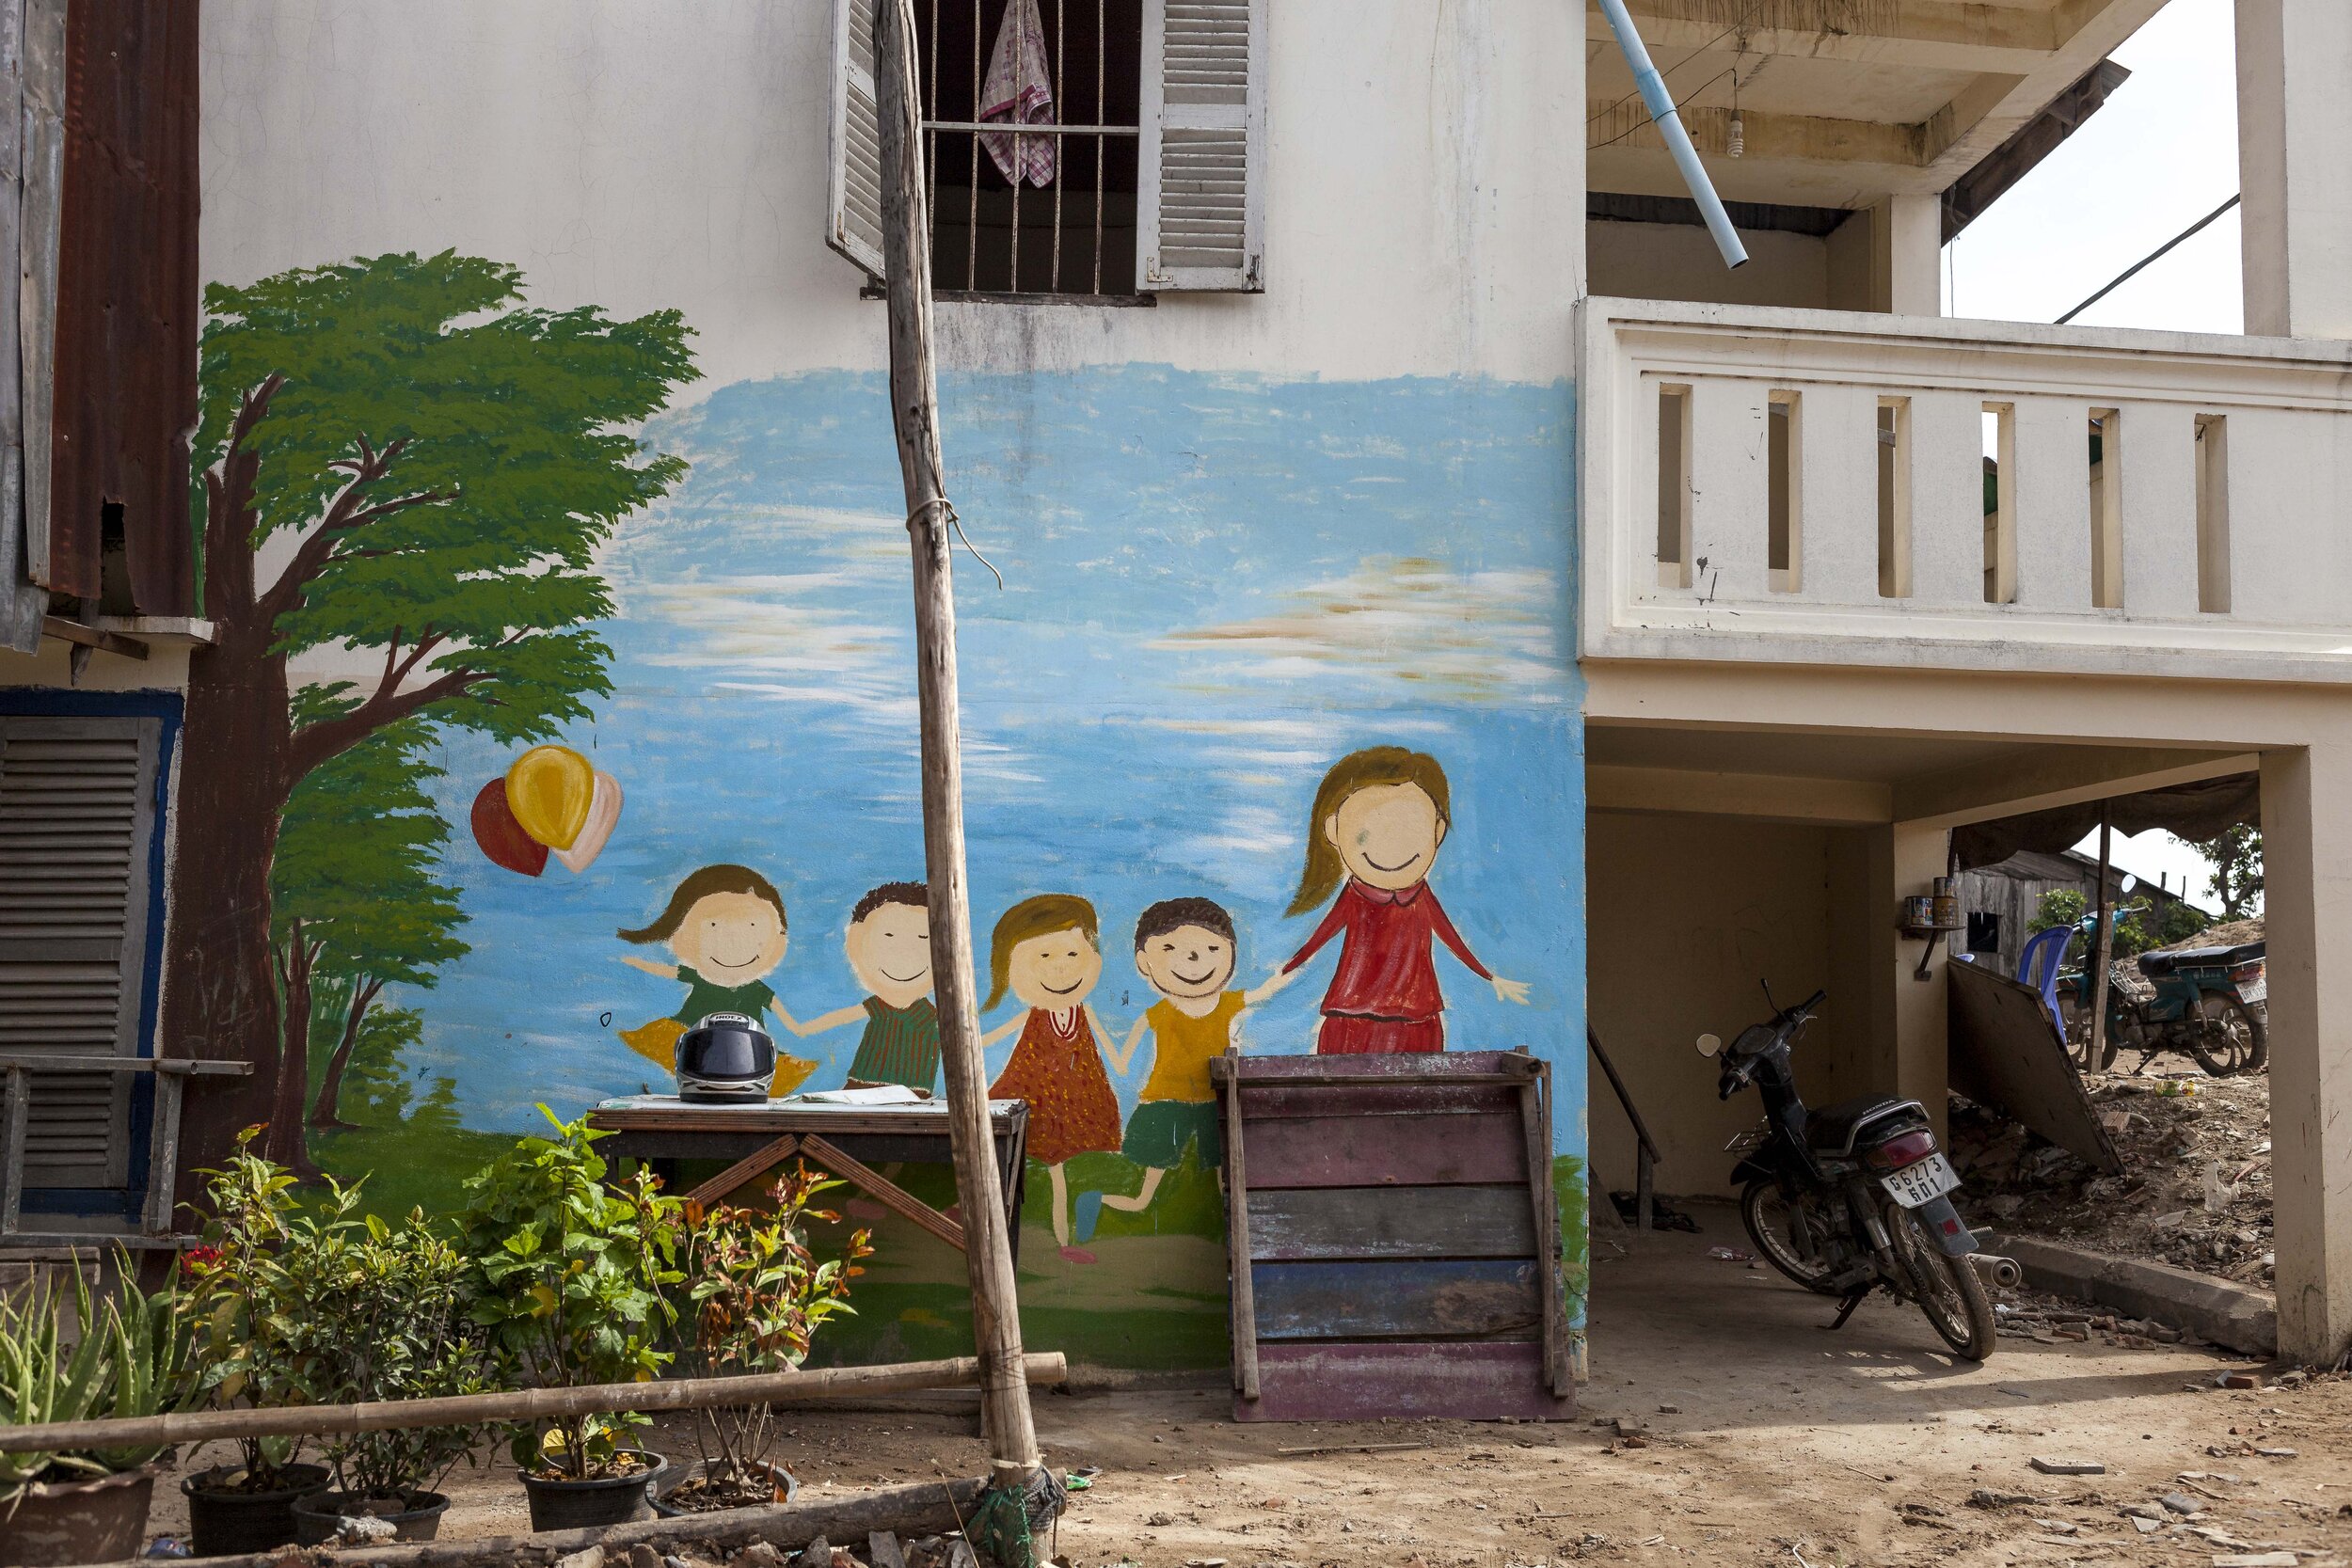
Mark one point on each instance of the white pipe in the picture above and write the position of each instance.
(1669, 122)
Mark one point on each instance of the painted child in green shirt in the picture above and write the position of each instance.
(889, 947)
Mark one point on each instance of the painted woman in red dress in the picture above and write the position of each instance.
(1046, 951)
(1379, 817)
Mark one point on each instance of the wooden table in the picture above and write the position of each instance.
(847, 1141)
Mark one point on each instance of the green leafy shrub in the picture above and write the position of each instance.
(570, 1274)
(377, 1310)
(756, 1298)
(238, 1289)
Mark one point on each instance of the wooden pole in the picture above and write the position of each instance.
(684, 1393)
(1005, 1417)
(2101, 950)
(928, 1508)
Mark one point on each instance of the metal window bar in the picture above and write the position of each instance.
(986, 17)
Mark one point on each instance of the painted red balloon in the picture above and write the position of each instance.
(501, 836)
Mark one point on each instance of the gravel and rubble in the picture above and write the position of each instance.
(2195, 1188)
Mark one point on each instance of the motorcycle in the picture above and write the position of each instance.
(2210, 1003)
(1854, 1197)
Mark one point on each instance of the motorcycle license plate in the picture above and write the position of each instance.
(2254, 991)
(1924, 1182)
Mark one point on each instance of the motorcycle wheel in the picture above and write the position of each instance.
(2077, 1013)
(1946, 1288)
(1764, 1209)
(2227, 1038)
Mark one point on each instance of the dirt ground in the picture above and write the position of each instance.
(1758, 1438)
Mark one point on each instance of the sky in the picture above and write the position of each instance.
(2161, 154)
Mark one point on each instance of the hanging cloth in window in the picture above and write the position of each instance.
(1019, 92)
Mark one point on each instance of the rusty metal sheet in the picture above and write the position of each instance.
(125, 354)
(20, 601)
(2007, 1054)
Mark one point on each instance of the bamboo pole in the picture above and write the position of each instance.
(1005, 1417)
(684, 1393)
(929, 1507)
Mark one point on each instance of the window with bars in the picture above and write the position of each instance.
(1102, 148)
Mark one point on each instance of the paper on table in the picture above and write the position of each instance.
(880, 1094)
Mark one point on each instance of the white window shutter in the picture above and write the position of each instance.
(853, 216)
(77, 815)
(1202, 164)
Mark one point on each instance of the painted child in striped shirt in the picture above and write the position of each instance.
(1185, 949)
(889, 948)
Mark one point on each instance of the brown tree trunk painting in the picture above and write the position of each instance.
(326, 1110)
(286, 1143)
(241, 763)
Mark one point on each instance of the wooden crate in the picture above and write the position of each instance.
(1393, 1237)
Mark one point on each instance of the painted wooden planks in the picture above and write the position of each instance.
(1397, 1299)
(1282, 1102)
(1303, 1223)
(1407, 1379)
(1486, 1149)
(1410, 1065)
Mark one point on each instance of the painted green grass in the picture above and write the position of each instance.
(409, 1164)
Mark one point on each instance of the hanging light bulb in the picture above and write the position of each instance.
(1736, 144)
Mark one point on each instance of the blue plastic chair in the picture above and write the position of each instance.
(2037, 966)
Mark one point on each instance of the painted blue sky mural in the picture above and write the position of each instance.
(1215, 586)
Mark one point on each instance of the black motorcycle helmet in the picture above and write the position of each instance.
(726, 1059)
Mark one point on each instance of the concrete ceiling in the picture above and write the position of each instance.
(1870, 759)
(1843, 101)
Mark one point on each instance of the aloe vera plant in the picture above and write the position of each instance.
(130, 1359)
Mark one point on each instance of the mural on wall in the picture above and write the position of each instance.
(1268, 652)
(403, 462)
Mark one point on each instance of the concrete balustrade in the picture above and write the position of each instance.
(2155, 503)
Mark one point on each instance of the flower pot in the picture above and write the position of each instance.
(317, 1515)
(785, 1483)
(102, 1520)
(559, 1502)
(228, 1523)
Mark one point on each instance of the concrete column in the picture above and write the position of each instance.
(2294, 125)
(1908, 1039)
(1889, 258)
(2307, 904)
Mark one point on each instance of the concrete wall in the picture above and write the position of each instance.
(1687, 914)
(1677, 260)
(1194, 503)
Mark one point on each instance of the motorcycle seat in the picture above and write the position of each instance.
(1833, 1129)
(2200, 958)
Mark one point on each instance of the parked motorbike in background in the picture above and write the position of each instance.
(1852, 1197)
(2210, 1003)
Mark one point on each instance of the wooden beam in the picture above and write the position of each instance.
(92, 636)
(514, 1405)
(752, 1165)
(1009, 1428)
(838, 1163)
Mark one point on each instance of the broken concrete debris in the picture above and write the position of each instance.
(2067, 1466)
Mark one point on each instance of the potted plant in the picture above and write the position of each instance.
(755, 1299)
(85, 1505)
(375, 1310)
(569, 1275)
(237, 1290)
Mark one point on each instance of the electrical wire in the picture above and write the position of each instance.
(1592, 119)
(1680, 102)
(2156, 255)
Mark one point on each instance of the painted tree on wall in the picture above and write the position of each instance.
(404, 463)
(355, 900)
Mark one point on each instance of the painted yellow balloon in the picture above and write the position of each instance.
(549, 789)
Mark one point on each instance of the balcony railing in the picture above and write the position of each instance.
(1823, 487)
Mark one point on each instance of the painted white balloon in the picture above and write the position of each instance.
(604, 814)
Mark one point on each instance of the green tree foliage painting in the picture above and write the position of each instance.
(403, 462)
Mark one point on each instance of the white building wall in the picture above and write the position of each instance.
(1423, 194)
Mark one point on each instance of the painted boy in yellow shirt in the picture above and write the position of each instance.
(1185, 948)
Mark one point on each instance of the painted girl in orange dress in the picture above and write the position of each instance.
(1046, 951)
